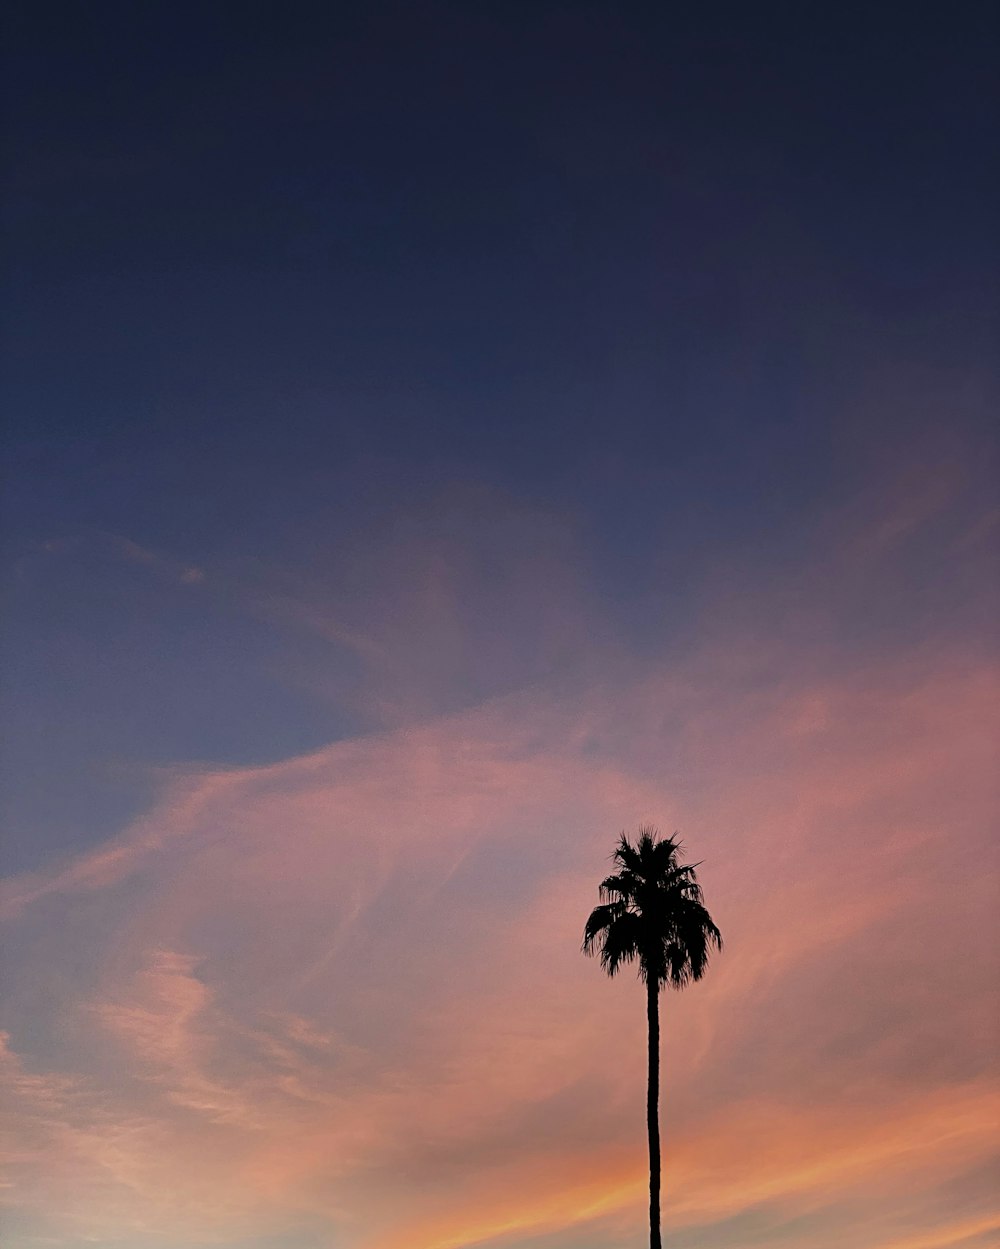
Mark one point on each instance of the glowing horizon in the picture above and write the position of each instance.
(343, 993)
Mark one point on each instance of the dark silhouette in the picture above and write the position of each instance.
(652, 913)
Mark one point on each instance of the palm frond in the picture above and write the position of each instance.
(662, 851)
(622, 942)
(627, 856)
(623, 884)
(697, 935)
(599, 920)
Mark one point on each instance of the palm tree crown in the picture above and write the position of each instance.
(652, 913)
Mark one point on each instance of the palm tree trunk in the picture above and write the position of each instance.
(653, 1111)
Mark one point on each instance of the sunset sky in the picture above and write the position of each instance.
(441, 436)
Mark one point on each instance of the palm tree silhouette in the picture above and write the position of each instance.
(652, 913)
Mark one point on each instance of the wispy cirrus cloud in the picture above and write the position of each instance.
(341, 996)
(352, 981)
(119, 547)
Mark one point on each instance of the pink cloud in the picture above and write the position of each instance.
(346, 991)
(340, 998)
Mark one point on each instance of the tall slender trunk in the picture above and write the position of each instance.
(653, 1112)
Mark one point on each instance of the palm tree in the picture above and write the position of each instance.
(652, 913)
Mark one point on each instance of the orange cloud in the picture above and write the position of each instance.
(342, 997)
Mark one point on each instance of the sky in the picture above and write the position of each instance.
(439, 438)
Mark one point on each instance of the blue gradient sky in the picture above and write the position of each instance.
(549, 402)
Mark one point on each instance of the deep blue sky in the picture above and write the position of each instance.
(279, 275)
